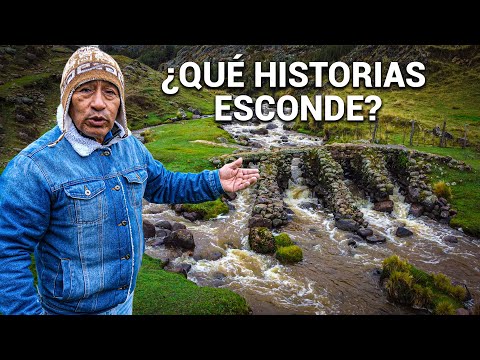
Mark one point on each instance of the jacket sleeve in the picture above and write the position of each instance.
(24, 218)
(164, 186)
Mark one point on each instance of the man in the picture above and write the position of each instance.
(74, 198)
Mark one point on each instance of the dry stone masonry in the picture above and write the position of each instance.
(374, 168)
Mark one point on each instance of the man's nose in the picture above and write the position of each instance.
(98, 102)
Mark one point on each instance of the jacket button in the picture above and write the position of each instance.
(106, 153)
(126, 257)
(123, 223)
(87, 192)
(116, 188)
(124, 287)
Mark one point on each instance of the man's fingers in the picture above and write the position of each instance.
(250, 176)
(237, 163)
(250, 171)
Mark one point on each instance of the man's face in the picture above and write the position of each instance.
(94, 108)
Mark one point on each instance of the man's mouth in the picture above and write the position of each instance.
(96, 121)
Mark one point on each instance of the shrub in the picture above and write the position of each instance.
(459, 292)
(400, 287)
(283, 239)
(394, 263)
(442, 282)
(423, 296)
(441, 189)
(147, 136)
(289, 254)
(444, 308)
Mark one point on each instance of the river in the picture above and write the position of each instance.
(333, 278)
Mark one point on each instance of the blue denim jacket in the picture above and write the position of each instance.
(82, 217)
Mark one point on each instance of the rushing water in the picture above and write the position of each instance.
(334, 277)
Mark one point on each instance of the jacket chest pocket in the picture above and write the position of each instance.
(136, 186)
(87, 202)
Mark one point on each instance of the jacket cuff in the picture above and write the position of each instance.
(215, 184)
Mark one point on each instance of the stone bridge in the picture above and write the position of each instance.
(327, 169)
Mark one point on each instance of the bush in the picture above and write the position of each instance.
(459, 292)
(423, 296)
(400, 287)
(289, 254)
(442, 282)
(283, 239)
(394, 263)
(441, 189)
(444, 308)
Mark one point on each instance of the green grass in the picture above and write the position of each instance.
(162, 293)
(409, 285)
(175, 150)
(23, 81)
(451, 92)
(159, 292)
(209, 209)
(465, 193)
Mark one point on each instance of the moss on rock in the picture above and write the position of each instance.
(283, 239)
(289, 254)
(261, 240)
(208, 209)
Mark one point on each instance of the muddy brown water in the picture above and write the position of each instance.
(333, 278)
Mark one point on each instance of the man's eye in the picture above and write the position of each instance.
(84, 90)
(110, 92)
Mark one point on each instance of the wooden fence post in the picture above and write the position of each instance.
(464, 143)
(442, 136)
(412, 131)
(375, 131)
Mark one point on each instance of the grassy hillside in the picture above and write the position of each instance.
(29, 95)
(173, 144)
(452, 94)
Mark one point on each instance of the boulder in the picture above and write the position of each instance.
(259, 221)
(261, 240)
(261, 131)
(374, 239)
(450, 239)
(365, 232)
(163, 235)
(403, 232)
(181, 238)
(346, 225)
(192, 216)
(164, 224)
(461, 311)
(307, 205)
(230, 195)
(384, 206)
(182, 269)
(178, 226)
(148, 229)
(416, 210)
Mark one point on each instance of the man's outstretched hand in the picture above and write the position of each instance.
(234, 178)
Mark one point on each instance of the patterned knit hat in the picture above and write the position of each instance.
(86, 64)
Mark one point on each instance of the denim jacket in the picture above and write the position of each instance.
(82, 218)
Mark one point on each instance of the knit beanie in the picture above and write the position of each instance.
(87, 64)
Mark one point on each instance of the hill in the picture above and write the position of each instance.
(29, 94)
